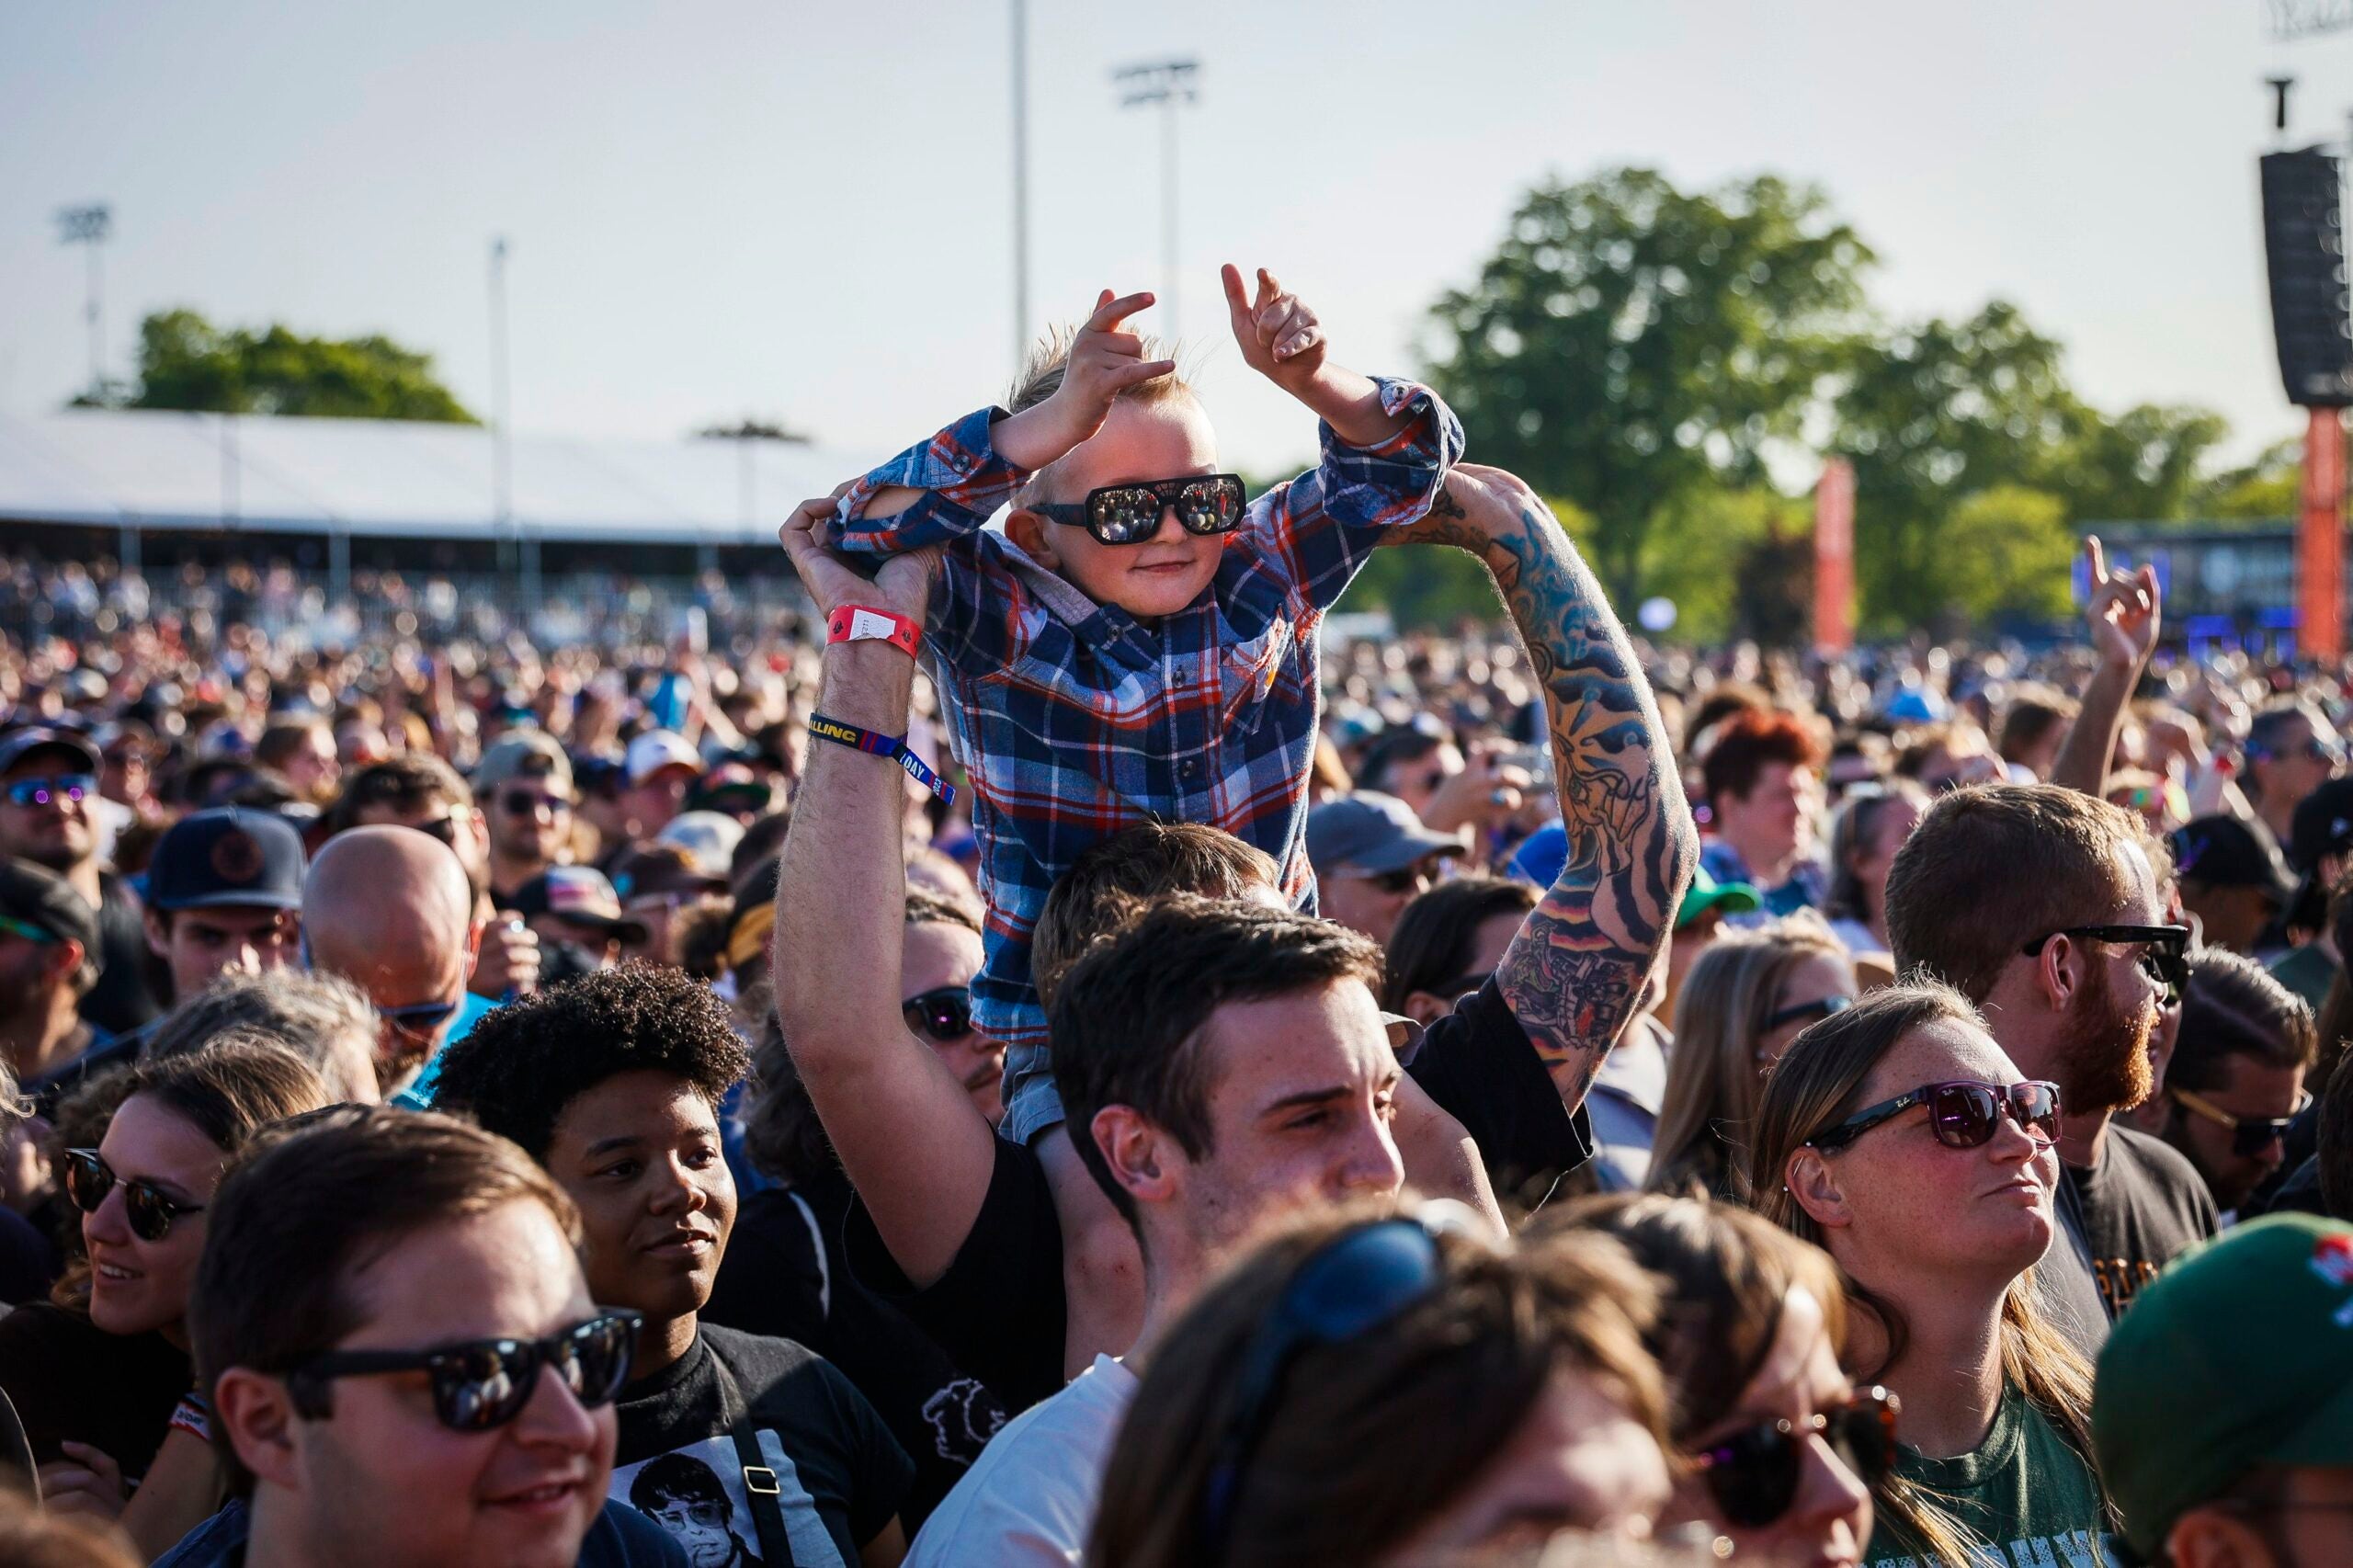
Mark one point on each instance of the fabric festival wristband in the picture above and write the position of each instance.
(893, 746)
(863, 623)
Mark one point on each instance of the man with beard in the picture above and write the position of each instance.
(391, 910)
(49, 797)
(2041, 904)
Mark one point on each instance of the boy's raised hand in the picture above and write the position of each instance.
(1104, 362)
(1280, 337)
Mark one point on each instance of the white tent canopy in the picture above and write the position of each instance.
(396, 479)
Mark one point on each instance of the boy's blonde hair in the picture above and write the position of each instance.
(1042, 376)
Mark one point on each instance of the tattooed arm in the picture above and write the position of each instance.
(1575, 972)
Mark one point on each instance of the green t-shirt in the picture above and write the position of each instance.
(2023, 1489)
(2306, 971)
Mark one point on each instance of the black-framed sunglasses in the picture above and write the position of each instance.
(149, 1207)
(2250, 1135)
(480, 1384)
(420, 1020)
(943, 1015)
(1963, 1114)
(1346, 1289)
(1412, 879)
(444, 828)
(30, 793)
(1755, 1474)
(1821, 1007)
(2165, 954)
(1129, 514)
(525, 803)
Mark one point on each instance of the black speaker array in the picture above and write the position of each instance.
(2303, 244)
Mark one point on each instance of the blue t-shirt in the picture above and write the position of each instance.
(622, 1537)
(418, 1095)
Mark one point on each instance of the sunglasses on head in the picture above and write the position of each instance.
(149, 1207)
(2165, 954)
(484, 1383)
(1963, 1114)
(1129, 514)
(943, 1015)
(1821, 1007)
(2250, 1135)
(1345, 1289)
(1755, 1474)
(29, 792)
(524, 802)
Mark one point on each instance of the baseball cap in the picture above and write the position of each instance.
(16, 746)
(1372, 832)
(652, 752)
(231, 855)
(2323, 825)
(2239, 1353)
(651, 870)
(708, 837)
(524, 754)
(580, 894)
(1544, 852)
(2231, 852)
(38, 897)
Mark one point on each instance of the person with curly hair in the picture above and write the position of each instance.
(612, 1083)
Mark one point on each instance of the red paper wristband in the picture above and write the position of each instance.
(860, 623)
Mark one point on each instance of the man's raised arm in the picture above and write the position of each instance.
(914, 1146)
(1574, 973)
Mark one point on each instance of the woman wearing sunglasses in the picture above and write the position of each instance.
(97, 1373)
(1781, 1450)
(1371, 1390)
(1897, 1136)
(1745, 999)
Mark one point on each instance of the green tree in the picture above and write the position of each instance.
(1699, 554)
(2269, 486)
(1630, 343)
(2147, 463)
(2008, 552)
(186, 362)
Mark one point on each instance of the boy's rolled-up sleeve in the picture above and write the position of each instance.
(1323, 525)
(963, 480)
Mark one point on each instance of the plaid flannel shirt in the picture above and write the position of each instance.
(1073, 719)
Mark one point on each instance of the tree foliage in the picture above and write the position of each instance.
(186, 362)
(1630, 343)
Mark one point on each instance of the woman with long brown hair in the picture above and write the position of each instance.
(1379, 1389)
(1897, 1136)
(1780, 1447)
(1747, 998)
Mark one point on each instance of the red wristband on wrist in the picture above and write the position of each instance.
(860, 623)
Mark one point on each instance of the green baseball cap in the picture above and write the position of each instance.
(1725, 898)
(2239, 1353)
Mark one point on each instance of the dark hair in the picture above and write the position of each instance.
(1436, 936)
(311, 1204)
(1126, 1021)
(279, 741)
(1397, 745)
(1372, 1437)
(1111, 880)
(2335, 1128)
(2263, 734)
(2234, 1007)
(527, 1060)
(762, 842)
(2034, 711)
(2334, 1026)
(404, 783)
(1748, 742)
(1994, 868)
(1852, 832)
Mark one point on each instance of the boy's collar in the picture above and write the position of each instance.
(1106, 628)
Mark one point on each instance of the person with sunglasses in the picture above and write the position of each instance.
(405, 1365)
(612, 1081)
(391, 910)
(1372, 856)
(1901, 1139)
(49, 961)
(2236, 1080)
(1749, 995)
(1276, 1424)
(523, 793)
(2043, 905)
(2291, 749)
(98, 1374)
(1781, 1450)
(48, 802)
(1139, 642)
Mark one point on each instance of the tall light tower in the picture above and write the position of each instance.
(502, 477)
(91, 226)
(1020, 181)
(1169, 84)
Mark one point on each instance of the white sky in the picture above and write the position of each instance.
(803, 210)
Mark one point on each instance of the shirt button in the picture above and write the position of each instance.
(1189, 770)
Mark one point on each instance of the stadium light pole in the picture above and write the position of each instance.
(91, 226)
(1169, 85)
(1020, 180)
(502, 494)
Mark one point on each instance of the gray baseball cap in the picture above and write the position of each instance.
(1372, 832)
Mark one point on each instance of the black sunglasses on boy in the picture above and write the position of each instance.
(1129, 514)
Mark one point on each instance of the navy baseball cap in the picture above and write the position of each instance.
(21, 743)
(237, 855)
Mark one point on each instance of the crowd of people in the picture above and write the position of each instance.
(1034, 1058)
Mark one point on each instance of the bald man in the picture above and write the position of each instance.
(391, 910)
